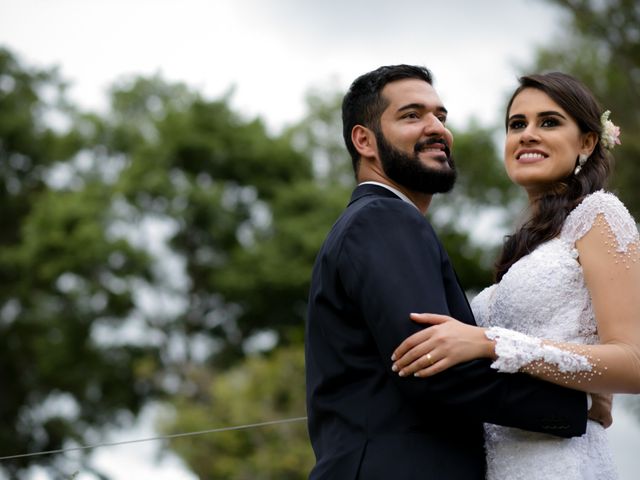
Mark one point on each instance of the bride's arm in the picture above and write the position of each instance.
(612, 276)
(613, 366)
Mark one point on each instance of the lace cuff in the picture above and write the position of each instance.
(516, 350)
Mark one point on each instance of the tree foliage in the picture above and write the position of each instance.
(261, 389)
(216, 178)
(61, 277)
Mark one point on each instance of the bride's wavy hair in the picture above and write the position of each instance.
(549, 211)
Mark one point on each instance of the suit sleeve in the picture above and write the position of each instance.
(391, 264)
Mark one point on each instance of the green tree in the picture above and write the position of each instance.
(219, 180)
(262, 388)
(82, 265)
(61, 278)
(266, 277)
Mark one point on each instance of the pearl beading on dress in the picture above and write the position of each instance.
(622, 254)
(516, 351)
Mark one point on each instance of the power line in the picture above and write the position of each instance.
(160, 437)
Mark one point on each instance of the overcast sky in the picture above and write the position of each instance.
(273, 51)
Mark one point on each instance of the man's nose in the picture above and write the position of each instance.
(434, 126)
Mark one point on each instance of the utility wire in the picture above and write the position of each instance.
(161, 437)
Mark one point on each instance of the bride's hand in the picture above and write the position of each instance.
(445, 344)
(601, 409)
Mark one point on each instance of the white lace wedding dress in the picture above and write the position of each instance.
(544, 295)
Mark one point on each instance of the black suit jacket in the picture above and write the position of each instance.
(381, 261)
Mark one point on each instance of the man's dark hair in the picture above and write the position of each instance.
(363, 104)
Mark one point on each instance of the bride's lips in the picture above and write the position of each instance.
(530, 155)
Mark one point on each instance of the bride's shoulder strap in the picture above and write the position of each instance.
(607, 207)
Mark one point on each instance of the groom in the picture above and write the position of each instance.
(381, 261)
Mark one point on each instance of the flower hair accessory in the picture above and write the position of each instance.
(610, 136)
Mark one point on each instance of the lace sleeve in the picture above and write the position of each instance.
(516, 351)
(622, 226)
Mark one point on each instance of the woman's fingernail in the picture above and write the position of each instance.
(393, 357)
(402, 374)
(394, 368)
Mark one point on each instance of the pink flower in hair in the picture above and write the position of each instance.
(610, 136)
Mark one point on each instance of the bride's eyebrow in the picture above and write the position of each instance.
(548, 113)
(517, 116)
(551, 113)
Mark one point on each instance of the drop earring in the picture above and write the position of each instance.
(582, 159)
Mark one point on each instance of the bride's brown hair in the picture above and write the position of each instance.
(549, 211)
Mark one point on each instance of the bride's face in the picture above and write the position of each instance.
(543, 142)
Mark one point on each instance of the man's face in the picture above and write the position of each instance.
(413, 144)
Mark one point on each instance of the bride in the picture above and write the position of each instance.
(566, 305)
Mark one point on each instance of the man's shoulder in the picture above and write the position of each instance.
(373, 215)
(372, 212)
(378, 219)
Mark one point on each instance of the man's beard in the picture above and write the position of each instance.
(410, 172)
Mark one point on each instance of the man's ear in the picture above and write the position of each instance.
(364, 140)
